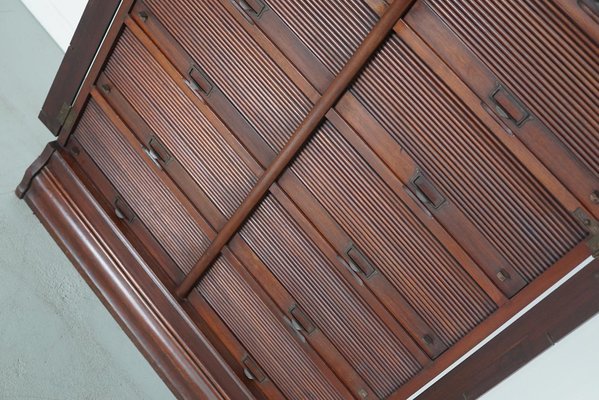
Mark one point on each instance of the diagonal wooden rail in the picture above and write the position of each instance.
(306, 129)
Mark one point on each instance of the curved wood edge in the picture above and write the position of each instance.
(545, 324)
(35, 168)
(77, 60)
(63, 199)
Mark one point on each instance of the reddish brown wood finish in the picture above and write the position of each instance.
(65, 200)
(78, 59)
(365, 199)
(297, 140)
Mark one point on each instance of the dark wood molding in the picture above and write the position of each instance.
(66, 204)
(35, 168)
(297, 140)
(552, 319)
(78, 58)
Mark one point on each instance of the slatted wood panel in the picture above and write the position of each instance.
(546, 60)
(242, 70)
(466, 161)
(370, 347)
(391, 236)
(335, 190)
(207, 157)
(333, 42)
(272, 345)
(161, 212)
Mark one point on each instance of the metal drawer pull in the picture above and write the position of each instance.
(300, 321)
(122, 210)
(253, 8)
(157, 152)
(425, 191)
(119, 213)
(143, 16)
(252, 370)
(153, 156)
(350, 268)
(503, 275)
(199, 81)
(508, 107)
(428, 339)
(248, 374)
(359, 263)
(296, 325)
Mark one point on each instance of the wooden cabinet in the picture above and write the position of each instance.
(318, 200)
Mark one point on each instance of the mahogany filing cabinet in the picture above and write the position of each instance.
(328, 200)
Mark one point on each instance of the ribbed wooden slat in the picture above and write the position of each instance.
(154, 204)
(349, 323)
(262, 335)
(545, 59)
(194, 142)
(393, 238)
(333, 42)
(241, 69)
(466, 161)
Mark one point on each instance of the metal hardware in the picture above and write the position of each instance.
(503, 275)
(250, 8)
(297, 328)
(248, 374)
(157, 152)
(153, 156)
(350, 268)
(358, 262)
(64, 112)
(160, 149)
(301, 320)
(425, 191)
(508, 107)
(592, 226)
(428, 339)
(67, 116)
(199, 81)
(595, 197)
(296, 325)
(119, 213)
(122, 210)
(252, 370)
(143, 16)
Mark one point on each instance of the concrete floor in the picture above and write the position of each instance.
(57, 341)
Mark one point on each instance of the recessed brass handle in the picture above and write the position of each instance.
(119, 213)
(153, 156)
(503, 275)
(248, 374)
(251, 7)
(508, 107)
(122, 210)
(199, 81)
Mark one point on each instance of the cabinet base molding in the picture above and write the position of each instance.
(59, 196)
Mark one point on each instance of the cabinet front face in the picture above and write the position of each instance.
(453, 181)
